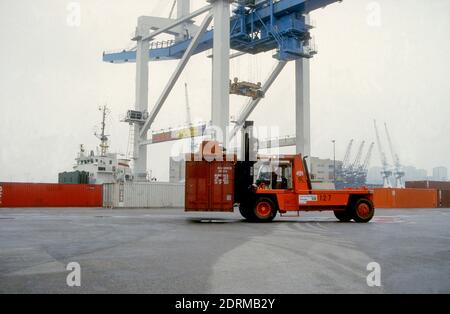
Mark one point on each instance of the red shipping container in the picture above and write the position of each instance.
(405, 198)
(209, 186)
(50, 195)
(442, 185)
(444, 198)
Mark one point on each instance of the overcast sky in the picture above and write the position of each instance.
(393, 67)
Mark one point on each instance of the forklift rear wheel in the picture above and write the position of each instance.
(264, 210)
(343, 215)
(363, 210)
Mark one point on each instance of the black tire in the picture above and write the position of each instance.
(343, 215)
(246, 212)
(363, 210)
(264, 210)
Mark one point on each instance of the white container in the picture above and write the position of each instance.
(110, 195)
(144, 195)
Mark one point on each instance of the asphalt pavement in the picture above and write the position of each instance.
(169, 251)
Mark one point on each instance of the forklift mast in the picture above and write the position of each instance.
(308, 177)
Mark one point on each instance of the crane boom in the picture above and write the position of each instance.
(380, 147)
(267, 17)
(174, 3)
(365, 165)
(386, 173)
(394, 154)
(398, 172)
(357, 160)
(347, 154)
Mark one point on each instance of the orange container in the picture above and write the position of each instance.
(405, 198)
(209, 186)
(50, 195)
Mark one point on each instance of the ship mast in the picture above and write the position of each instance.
(103, 137)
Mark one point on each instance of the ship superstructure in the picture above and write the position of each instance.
(101, 166)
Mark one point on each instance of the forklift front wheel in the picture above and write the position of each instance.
(246, 212)
(343, 215)
(264, 209)
(363, 210)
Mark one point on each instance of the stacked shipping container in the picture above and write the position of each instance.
(439, 185)
(50, 195)
(405, 198)
(442, 189)
(444, 198)
(147, 195)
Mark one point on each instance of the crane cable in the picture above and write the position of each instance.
(172, 8)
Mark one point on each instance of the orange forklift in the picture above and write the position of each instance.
(263, 186)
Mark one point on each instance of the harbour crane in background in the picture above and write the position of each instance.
(398, 174)
(363, 168)
(352, 175)
(351, 172)
(386, 173)
(365, 165)
(341, 171)
(346, 159)
(356, 163)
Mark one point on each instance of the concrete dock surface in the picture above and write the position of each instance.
(170, 251)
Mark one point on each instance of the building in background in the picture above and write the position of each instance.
(411, 174)
(177, 168)
(322, 170)
(374, 175)
(440, 174)
(414, 174)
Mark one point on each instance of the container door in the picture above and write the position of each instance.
(197, 186)
(444, 198)
(222, 186)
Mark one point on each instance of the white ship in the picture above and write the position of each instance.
(103, 167)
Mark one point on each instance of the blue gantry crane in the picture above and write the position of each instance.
(253, 27)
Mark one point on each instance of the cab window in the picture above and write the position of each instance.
(273, 174)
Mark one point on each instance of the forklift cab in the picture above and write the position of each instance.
(273, 174)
